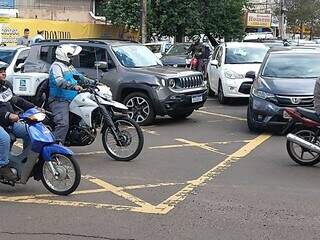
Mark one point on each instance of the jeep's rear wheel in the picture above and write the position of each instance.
(140, 108)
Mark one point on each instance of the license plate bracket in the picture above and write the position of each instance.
(197, 98)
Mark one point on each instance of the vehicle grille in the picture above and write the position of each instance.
(191, 81)
(295, 101)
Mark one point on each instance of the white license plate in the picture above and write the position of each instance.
(196, 98)
(286, 115)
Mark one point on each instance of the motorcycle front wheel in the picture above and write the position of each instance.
(68, 174)
(299, 154)
(130, 141)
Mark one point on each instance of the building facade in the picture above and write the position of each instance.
(263, 6)
(83, 11)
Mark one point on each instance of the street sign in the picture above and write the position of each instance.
(258, 20)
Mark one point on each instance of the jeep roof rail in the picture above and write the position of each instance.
(92, 40)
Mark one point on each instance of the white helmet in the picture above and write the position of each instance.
(3, 65)
(65, 52)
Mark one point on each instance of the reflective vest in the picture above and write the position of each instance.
(59, 93)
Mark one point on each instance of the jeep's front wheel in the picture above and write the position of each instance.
(140, 108)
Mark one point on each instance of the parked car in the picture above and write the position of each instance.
(228, 66)
(15, 57)
(177, 56)
(159, 48)
(135, 75)
(286, 79)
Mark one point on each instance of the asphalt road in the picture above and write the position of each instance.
(206, 177)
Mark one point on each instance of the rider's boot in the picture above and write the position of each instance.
(7, 174)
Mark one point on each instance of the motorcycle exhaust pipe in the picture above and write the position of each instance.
(303, 143)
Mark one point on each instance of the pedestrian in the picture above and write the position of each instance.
(39, 37)
(24, 40)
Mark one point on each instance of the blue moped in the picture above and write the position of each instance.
(44, 159)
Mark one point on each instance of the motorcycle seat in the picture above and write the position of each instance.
(12, 138)
(310, 114)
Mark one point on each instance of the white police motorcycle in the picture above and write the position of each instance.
(122, 137)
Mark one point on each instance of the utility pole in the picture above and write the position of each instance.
(282, 19)
(143, 21)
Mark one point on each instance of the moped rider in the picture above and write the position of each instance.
(64, 83)
(9, 122)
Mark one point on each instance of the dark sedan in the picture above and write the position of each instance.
(286, 79)
(177, 55)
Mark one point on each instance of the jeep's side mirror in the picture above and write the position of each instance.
(214, 62)
(101, 65)
(251, 75)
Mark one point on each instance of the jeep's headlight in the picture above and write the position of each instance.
(262, 94)
(233, 75)
(172, 83)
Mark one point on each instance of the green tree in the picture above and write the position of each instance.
(303, 13)
(182, 17)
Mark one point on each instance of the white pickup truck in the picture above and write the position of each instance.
(24, 84)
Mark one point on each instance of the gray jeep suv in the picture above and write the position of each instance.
(135, 75)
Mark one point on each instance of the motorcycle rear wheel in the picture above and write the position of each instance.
(69, 175)
(299, 154)
(129, 131)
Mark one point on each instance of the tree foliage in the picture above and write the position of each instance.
(181, 17)
(302, 13)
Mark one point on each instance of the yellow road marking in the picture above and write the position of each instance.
(172, 201)
(119, 192)
(144, 207)
(189, 145)
(150, 131)
(200, 145)
(100, 190)
(221, 115)
(90, 153)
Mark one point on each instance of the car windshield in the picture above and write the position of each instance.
(245, 55)
(7, 55)
(297, 65)
(136, 56)
(178, 49)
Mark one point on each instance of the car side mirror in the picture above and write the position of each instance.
(251, 75)
(20, 66)
(214, 62)
(101, 65)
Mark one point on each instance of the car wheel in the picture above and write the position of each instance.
(140, 108)
(221, 98)
(180, 115)
(251, 124)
